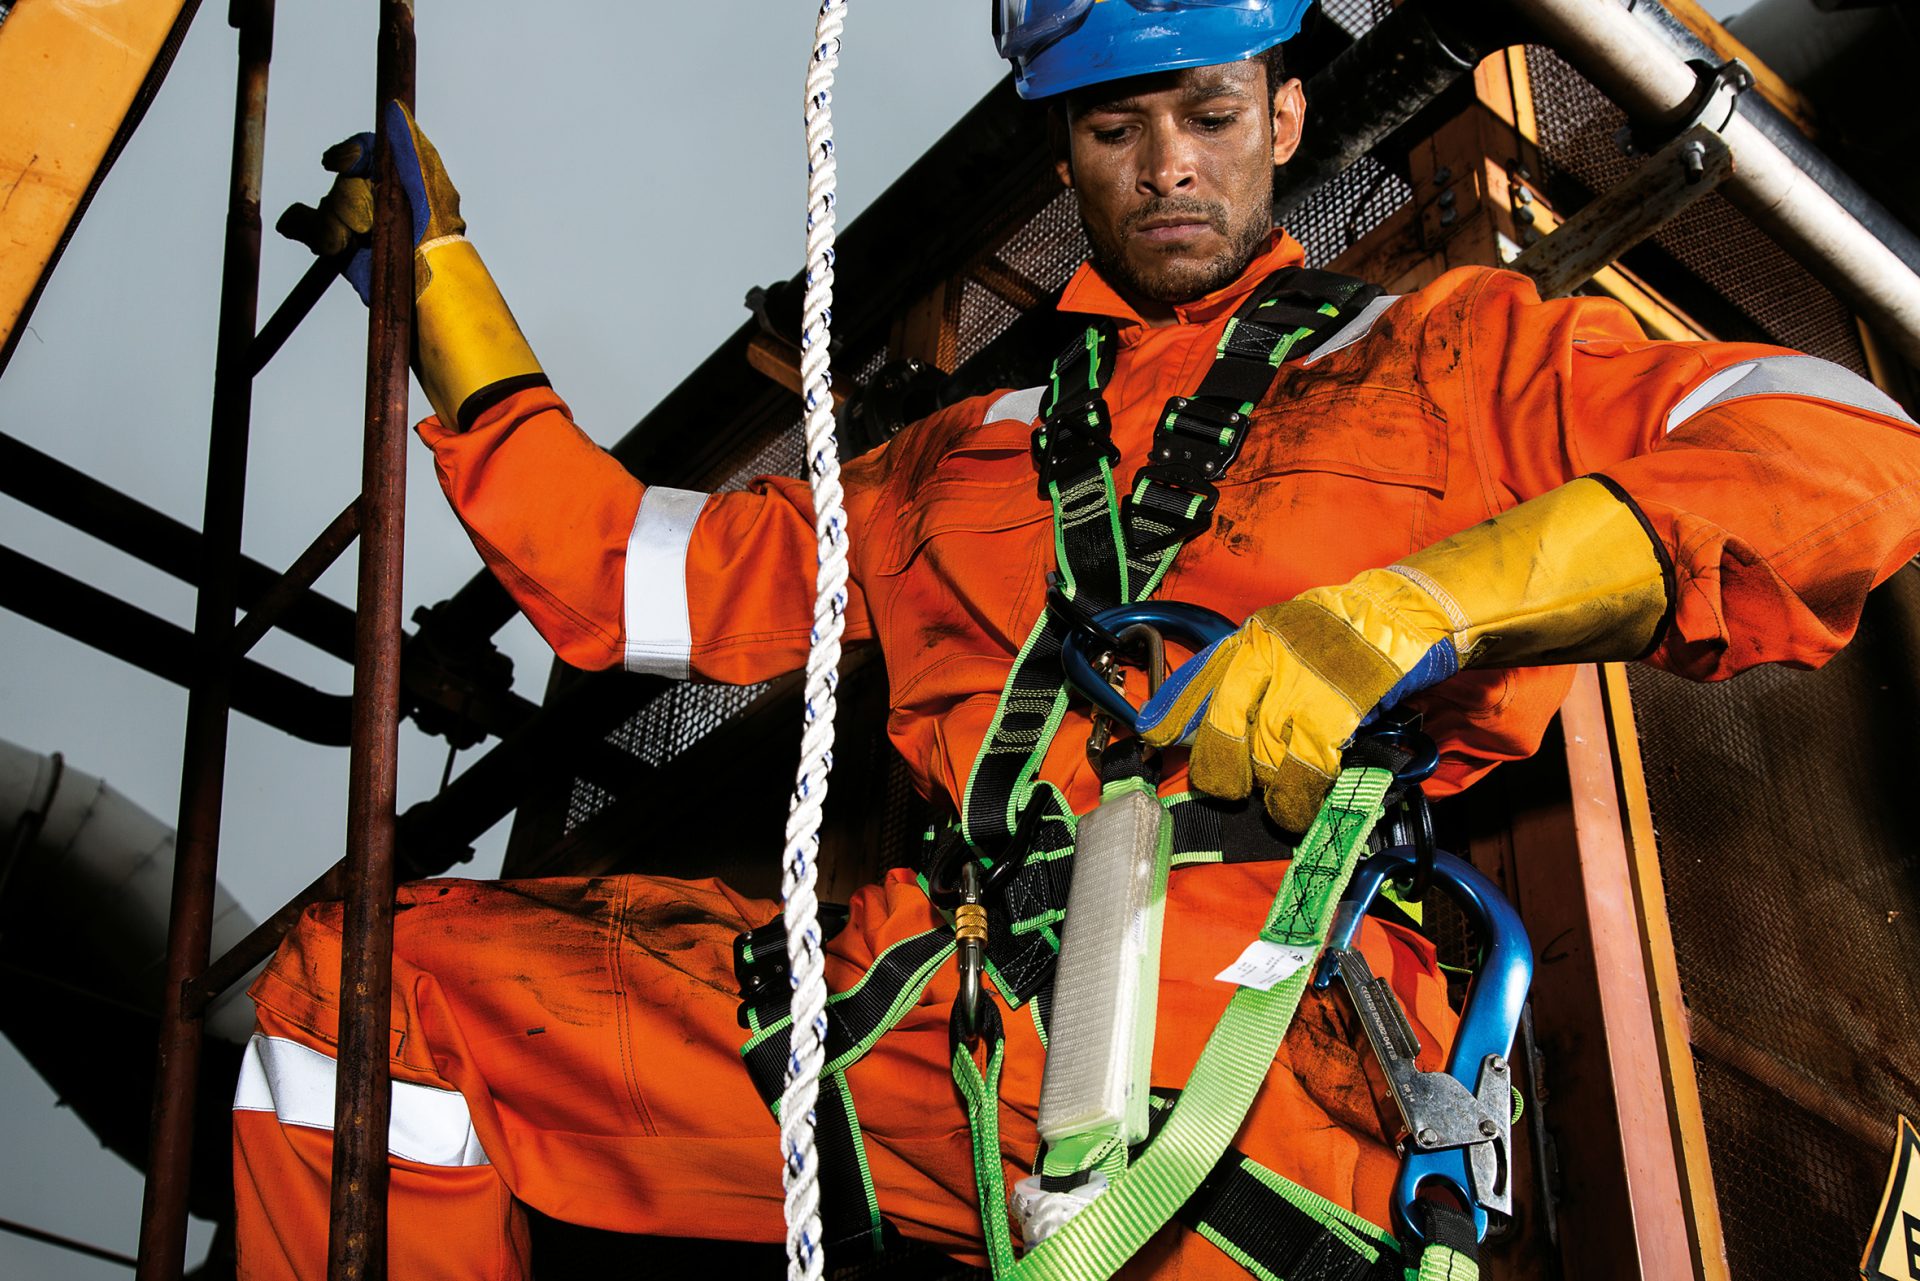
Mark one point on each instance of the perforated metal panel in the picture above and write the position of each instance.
(1790, 850)
(1355, 16)
(1711, 239)
(983, 316)
(1050, 246)
(1347, 208)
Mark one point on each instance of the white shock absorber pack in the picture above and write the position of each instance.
(806, 1255)
(1095, 1094)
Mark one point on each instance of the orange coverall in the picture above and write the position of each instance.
(572, 1044)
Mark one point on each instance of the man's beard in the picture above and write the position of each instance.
(1177, 281)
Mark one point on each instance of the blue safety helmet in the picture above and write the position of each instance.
(1057, 45)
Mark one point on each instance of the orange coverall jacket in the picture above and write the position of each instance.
(585, 1031)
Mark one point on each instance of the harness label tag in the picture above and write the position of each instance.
(1893, 1251)
(1264, 964)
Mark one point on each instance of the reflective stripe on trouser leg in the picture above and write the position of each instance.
(296, 1083)
(446, 1222)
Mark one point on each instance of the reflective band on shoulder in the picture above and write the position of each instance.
(1020, 406)
(659, 633)
(1354, 330)
(1807, 376)
(295, 1083)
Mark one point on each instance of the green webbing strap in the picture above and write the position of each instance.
(1438, 1263)
(1230, 1071)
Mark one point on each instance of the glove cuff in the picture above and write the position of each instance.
(1573, 576)
(471, 351)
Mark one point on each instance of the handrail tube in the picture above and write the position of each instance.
(76, 499)
(1795, 145)
(306, 569)
(163, 1215)
(357, 1214)
(1633, 65)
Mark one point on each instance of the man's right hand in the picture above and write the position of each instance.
(471, 353)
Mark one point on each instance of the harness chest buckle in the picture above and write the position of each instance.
(1072, 440)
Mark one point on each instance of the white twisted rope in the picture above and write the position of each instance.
(806, 1255)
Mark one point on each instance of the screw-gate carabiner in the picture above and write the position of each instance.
(970, 948)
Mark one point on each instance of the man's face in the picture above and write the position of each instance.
(1174, 174)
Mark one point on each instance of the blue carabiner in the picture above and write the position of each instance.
(1199, 627)
(1487, 1024)
(1194, 625)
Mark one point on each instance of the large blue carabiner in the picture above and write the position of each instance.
(1193, 625)
(1198, 627)
(1479, 1171)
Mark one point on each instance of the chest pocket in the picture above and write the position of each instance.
(1378, 434)
(983, 484)
(1330, 482)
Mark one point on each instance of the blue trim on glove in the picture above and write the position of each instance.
(406, 166)
(1439, 662)
(359, 268)
(1155, 709)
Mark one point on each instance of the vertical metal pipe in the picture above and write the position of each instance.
(357, 1225)
(163, 1214)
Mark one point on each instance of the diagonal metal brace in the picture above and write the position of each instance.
(1681, 172)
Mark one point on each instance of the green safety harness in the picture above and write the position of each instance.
(1020, 830)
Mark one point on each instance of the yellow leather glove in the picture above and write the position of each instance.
(1571, 576)
(470, 351)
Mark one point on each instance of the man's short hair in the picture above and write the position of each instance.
(1276, 65)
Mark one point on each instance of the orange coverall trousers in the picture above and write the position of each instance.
(588, 1027)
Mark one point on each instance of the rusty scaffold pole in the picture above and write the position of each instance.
(357, 1225)
(163, 1216)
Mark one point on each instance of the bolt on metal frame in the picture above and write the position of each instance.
(357, 1223)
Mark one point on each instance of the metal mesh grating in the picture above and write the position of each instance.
(1050, 246)
(778, 455)
(983, 316)
(905, 816)
(1712, 239)
(1791, 858)
(584, 801)
(1355, 16)
(1347, 208)
(680, 717)
(1796, 1195)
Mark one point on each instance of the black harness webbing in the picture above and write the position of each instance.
(1108, 551)
(856, 1018)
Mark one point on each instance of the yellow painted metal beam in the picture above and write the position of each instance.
(75, 78)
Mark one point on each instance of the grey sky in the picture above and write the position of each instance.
(628, 170)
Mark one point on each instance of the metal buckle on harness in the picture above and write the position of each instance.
(1197, 440)
(760, 956)
(952, 855)
(1140, 639)
(1072, 440)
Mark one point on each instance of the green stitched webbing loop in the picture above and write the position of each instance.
(1438, 1263)
(1231, 1068)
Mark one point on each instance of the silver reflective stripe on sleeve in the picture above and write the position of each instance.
(1020, 406)
(1807, 376)
(1354, 330)
(295, 1083)
(659, 633)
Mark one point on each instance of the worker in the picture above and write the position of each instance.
(1449, 496)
